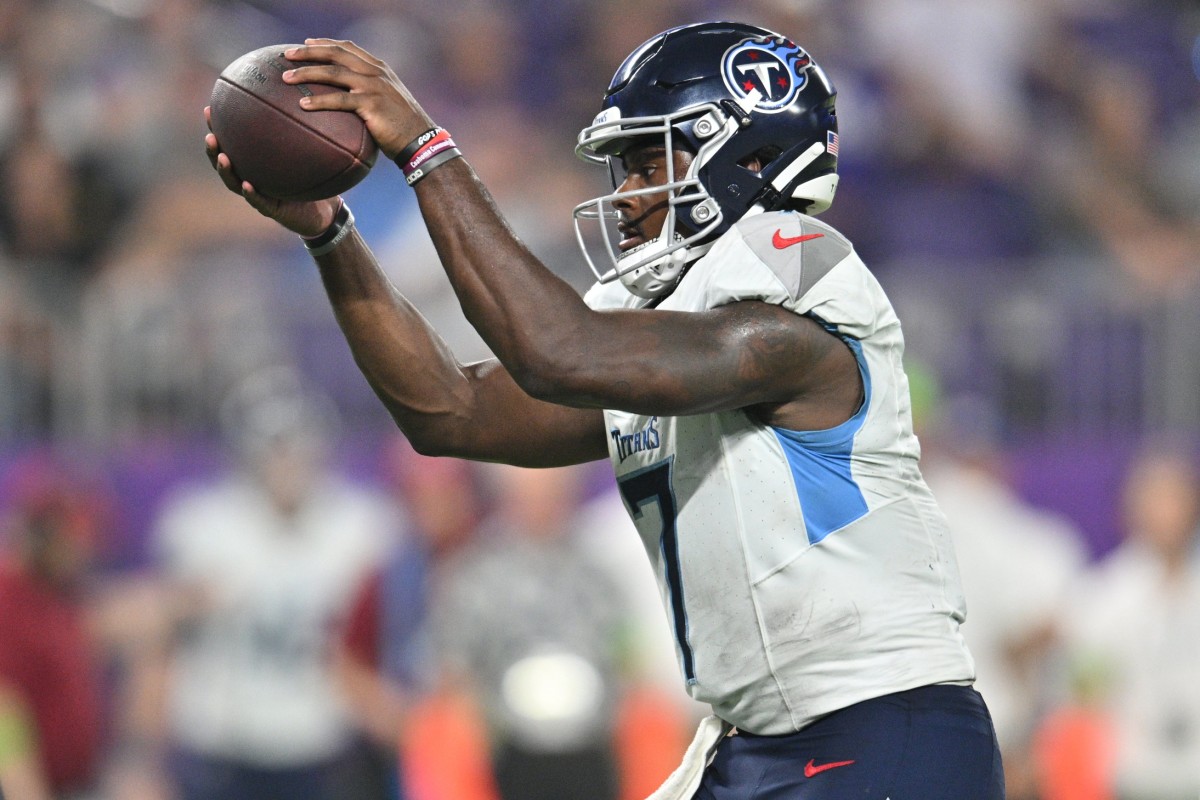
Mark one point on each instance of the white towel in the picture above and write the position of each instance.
(684, 781)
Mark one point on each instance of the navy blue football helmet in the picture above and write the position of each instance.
(756, 112)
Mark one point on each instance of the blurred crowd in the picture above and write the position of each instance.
(222, 574)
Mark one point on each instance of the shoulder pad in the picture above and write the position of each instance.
(796, 247)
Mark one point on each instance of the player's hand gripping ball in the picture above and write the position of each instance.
(284, 151)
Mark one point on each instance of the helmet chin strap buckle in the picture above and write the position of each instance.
(769, 199)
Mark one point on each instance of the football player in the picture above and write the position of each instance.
(739, 366)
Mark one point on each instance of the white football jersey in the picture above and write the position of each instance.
(253, 677)
(803, 571)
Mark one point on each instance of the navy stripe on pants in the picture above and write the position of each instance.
(931, 743)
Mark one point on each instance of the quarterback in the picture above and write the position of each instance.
(741, 368)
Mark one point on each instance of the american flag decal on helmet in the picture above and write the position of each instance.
(831, 143)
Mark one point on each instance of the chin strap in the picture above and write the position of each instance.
(772, 197)
(797, 166)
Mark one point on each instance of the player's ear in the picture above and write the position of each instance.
(758, 160)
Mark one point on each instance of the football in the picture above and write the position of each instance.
(282, 150)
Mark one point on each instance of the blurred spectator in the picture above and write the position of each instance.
(51, 690)
(528, 624)
(173, 317)
(656, 716)
(959, 67)
(1135, 632)
(609, 536)
(934, 167)
(56, 216)
(1114, 79)
(385, 661)
(59, 208)
(391, 675)
(1017, 563)
(20, 769)
(28, 346)
(265, 563)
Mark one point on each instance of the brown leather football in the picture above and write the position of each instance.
(281, 149)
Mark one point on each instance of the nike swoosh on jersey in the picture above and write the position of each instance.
(811, 769)
(780, 241)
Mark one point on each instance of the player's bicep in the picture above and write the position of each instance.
(779, 358)
(741, 355)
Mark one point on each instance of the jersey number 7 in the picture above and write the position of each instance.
(653, 485)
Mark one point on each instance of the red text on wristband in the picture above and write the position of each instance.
(431, 149)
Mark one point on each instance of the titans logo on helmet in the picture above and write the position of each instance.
(776, 67)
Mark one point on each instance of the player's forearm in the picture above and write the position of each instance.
(410, 368)
(553, 345)
(533, 321)
(445, 408)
